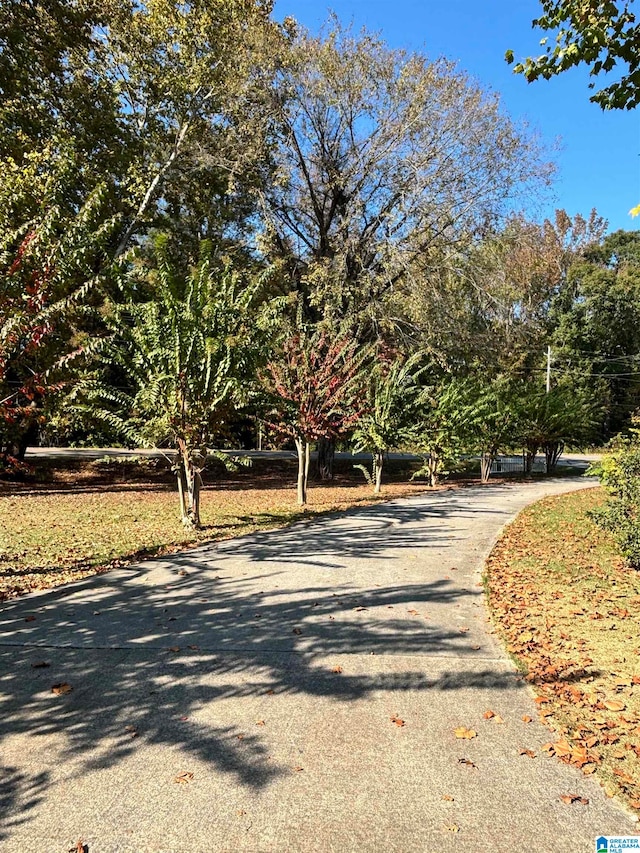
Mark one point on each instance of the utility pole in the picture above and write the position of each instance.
(548, 369)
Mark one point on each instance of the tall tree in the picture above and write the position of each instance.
(118, 119)
(382, 158)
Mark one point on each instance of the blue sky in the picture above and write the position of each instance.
(599, 156)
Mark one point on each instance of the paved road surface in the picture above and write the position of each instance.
(270, 667)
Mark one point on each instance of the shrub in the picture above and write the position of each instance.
(619, 472)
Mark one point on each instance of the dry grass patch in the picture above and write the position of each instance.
(569, 611)
(50, 536)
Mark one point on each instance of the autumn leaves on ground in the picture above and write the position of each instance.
(568, 610)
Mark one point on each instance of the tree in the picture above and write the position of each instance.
(381, 159)
(47, 277)
(189, 352)
(550, 420)
(595, 327)
(391, 411)
(490, 419)
(602, 35)
(441, 426)
(129, 112)
(315, 386)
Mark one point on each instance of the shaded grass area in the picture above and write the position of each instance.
(69, 521)
(569, 611)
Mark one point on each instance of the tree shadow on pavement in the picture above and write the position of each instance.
(153, 651)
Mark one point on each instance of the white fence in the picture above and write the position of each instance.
(515, 465)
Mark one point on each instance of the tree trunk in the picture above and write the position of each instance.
(189, 486)
(433, 468)
(486, 461)
(378, 462)
(303, 450)
(326, 452)
(528, 458)
(552, 453)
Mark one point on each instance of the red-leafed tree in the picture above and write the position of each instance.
(24, 330)
(315, 387)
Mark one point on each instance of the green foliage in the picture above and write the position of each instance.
(619, 472)
(392, 406)
(595, 327)
(603, 35)
(441, 431)
(188, 352)
(50, 250)
(548, 421)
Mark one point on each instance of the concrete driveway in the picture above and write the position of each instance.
(270, 675)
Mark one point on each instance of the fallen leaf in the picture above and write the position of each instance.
(194, 648)
(526, 719)
(241, 812)
(183, 778)
(528, 752)
(453, 827)
(562, 748)
(588, 769)
(488, 715)
(297, 631)
(395, 719)
(80, 847)
(448, 798)
(337, 669)
(498, 719)
(464, 733)
(61, 688)
(174, 648)
(298, 769)
(614, 705)
(467, 762)
(41, 664)
(260, 723)
(568, 799)
(182, 573)
(476, 648)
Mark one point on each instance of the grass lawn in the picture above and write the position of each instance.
(569, 611)
(87, 519)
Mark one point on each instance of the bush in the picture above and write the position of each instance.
(619, 473)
